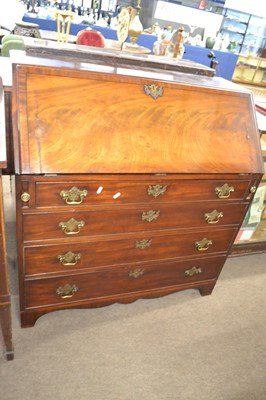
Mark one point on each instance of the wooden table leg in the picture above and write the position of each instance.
(5, 322)
(5, 305)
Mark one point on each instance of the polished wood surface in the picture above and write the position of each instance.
(48, 225)
(6, 72)
(5, 303)
(9, 169)
(199, 121)
(96, 253)
(120, 195)
(120, 280)
(131, 189)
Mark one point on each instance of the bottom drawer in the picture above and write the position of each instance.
(119, 280)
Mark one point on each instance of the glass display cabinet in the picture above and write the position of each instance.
(252, 235)
(245, 33)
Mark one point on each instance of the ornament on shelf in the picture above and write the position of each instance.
(135, 28)
(176, 47)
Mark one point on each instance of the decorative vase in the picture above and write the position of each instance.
(135, 26)
(210, 41)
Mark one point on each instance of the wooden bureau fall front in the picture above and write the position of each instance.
(130, 184)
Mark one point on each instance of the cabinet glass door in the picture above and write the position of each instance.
(254, 40)
(234, 28)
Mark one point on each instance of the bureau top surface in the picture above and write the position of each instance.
(106, 119)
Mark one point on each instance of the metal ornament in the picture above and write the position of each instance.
(223, 192)
(193, 271)
(213, 217)
(150, 215)
(153, 90)
(71, 227)
(203, 244)
(156, 190)
(69, 259)
(74, 195)
(66, 291)
(143, 244)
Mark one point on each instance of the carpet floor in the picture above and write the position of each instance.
(179, 347)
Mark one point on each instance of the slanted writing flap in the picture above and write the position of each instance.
(76, 121)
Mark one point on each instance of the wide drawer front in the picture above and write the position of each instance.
(119, 280)
(60, 225)
(100, 192)
(143, 248)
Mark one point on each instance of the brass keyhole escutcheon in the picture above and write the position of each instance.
(156, 190)
(73, 196)
(25, 197)
(223, 192)
(203, 245)
(153, 90)
(150, 215)
(136, 273)
(213, 217)
(193, 271)
(66, 291)
(143, 244)
(71, 227)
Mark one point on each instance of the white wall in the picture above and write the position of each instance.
(211, 22)
(255, 7)
(11, 13)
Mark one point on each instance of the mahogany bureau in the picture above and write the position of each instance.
(130, 183)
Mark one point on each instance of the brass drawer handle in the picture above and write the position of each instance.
(66, 291)
(150, 215)
(153, 90)
(213, 217)
(203, 244)
(136, 273)
(253, 189)
(71, 227)
(156, 190)
(223, 192)
(143, 244)
(73, 196)
(69, 259)
(193, 271)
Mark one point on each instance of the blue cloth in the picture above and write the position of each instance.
(226, 60)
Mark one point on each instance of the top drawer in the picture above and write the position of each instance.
(77, 191)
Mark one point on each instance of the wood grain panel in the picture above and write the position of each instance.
(115, 281)
(44, 259)
(118, 190)
(45, 226)
(105, 123)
